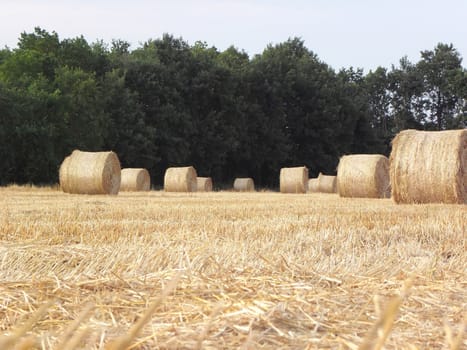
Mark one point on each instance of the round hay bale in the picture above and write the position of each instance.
(294, 180)
(244, 184)
(327, 183)
(204, 184)
(90, 173)
(135, 179)
(313, 185)
(429, 167)
(180, 179)
(363, 175)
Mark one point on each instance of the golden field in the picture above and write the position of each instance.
(228, 270)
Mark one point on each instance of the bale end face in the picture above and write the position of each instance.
(180, 179)
(245, 184)
(204, 184)
(313, 185)
(294, 180)
(363, 176)
(327, 183)
(90, 173)
(429, 167)
(135, 179)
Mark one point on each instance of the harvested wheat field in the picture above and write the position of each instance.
(227, 270)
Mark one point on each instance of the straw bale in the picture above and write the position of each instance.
(204, 184)
(429, 167)
(294, 180)
(90, 173)
(135, 179)
(180, 179)
(363, 175)
(245, 184)
(313, 185)
(327, 183)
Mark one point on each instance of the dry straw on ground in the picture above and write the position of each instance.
(313, 185)
(327, 183)
(220, 270)
(363, 175)
(90, 173)
(429, 167)
(204, 184)
(135, 179)
(244, 184)
(180, 179)
(294, 180)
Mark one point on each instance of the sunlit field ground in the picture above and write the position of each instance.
(229, 270)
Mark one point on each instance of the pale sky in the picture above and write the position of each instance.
(357, 33)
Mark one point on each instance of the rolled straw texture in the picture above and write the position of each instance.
(90, 173)
(204, 184)
(135, 179)
(363, 175)
(294, 180)
(327, 183)
(429, 167)
(313, 185)
(180, 179)
(244, 184)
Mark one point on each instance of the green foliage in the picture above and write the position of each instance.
(126, 133)
(168, 103)
(443, 78)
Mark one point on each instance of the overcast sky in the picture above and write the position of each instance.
(343, 33)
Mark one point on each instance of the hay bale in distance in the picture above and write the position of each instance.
(180, 179)
(135, 179)
(313, 185)
(429, 167)
(244, 184)
(327, 183)
(294, 180)
(90, 173)
(363, 175)
(204, 184)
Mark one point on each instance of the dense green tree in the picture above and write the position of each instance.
(239, 161)
(444, 82)
(83, 118)
(376, 88)
(28, 131)
(167, 103)
(356, 133)
(55, 107)
(127, 134)
(44, 46)
(9, 115)
(406, 89)
(157, 72)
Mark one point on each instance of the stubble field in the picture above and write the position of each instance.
(229, 270)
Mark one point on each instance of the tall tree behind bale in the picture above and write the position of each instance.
(294, 180)
(363, 175)
(429, 167)
(204, 184)
(327, 183)
(135, 179)
(90, 173)
(244, 184)
(180, 179)
(313, 185)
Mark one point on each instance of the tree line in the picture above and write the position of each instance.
(168, 103)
